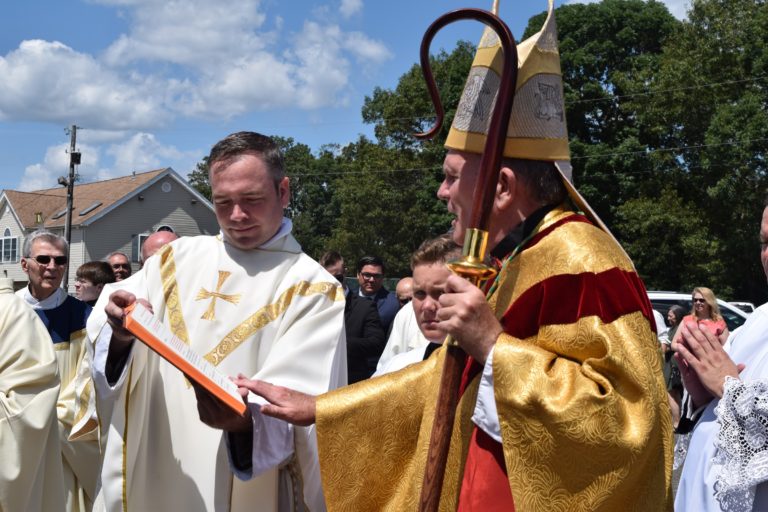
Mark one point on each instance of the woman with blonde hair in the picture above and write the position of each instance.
(705, 311)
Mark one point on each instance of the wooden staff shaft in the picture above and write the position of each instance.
(474, 253)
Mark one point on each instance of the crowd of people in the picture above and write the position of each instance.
(567, 400)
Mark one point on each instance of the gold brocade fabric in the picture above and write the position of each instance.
(373, 438)
(582, 406)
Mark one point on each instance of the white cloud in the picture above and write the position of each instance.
(349, 8)
(56, 163)
(193, 58)
(366, 49)
(678, 8)
(192, 33)
(49, 81)
(141, 152)
(137, 152)
(322, 69)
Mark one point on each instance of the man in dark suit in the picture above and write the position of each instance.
(365, 334)
(370, 276)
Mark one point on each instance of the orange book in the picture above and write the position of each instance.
(154, 334)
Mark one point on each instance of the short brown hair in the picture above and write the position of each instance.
(249, 143)
(97, 272)
(330, 258)
(435, 250)
(541, 179)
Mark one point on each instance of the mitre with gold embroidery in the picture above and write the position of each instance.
(537, 128)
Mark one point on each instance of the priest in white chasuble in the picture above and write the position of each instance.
(31, 477)
(250, 302)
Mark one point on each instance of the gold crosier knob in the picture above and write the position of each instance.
(471, 266)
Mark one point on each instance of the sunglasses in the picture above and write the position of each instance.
(44, 259)
(405, 301)
(699, 300)
(368, 275)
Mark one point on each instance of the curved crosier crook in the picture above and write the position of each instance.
(471, 264)
(497, 131)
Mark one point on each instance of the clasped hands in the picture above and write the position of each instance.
(703, 362)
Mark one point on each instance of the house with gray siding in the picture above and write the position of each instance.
(107, 216)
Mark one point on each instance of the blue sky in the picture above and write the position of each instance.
(154, 83)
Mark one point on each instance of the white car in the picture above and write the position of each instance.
(746, 307)
(661, 302)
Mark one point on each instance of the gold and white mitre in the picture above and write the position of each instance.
(537, 129)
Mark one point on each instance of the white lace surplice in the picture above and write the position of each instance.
(727, 461)
(741, 459)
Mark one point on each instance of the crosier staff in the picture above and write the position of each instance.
(471, 264)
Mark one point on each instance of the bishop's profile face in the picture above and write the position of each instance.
(460, 173)
(248, 204)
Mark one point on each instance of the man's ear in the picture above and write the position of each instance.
(24, 266)
(506, 189)
(284, 190)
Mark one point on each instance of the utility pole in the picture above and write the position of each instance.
(74, 159)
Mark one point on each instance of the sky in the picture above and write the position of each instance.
(155, 83)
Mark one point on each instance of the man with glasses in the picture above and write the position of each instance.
(370, 276)
(121, 265)
(44, 261)
(365, 335)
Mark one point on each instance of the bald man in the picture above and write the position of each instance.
(404, 290)
(154, 242)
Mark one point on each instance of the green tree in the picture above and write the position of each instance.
(661, 239)
(199, 178)
(387, 204)
(711, 103)
(605, 49)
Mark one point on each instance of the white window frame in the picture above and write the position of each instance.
(138, 241)
(12, 245)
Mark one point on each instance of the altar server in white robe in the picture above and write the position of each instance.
(31, 477)
(727, 463)
(251, 303)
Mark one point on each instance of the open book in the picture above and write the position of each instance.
(153, 333)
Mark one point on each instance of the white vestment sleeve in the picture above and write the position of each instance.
(741, 459)
(106, 390)
(485, 416)
(272, 442)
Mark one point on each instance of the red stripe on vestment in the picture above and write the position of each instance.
(566, 298)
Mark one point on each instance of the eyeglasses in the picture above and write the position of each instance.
(44, 259)
(121, 265)
(699, 301)
(368, 275)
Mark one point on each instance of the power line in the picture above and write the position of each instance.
(662, 91)
(679, 148)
